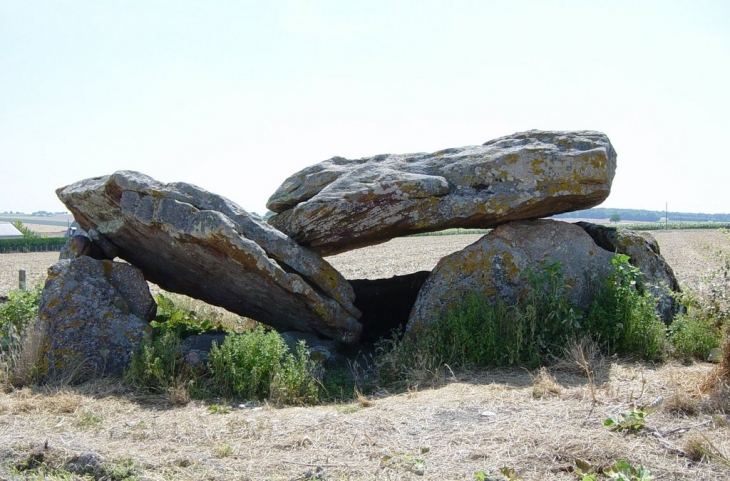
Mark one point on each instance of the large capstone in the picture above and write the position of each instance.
(342, 204)
(494, 267)
(197, 243)
(93, 315)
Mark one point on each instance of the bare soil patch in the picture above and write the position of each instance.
(478, 422)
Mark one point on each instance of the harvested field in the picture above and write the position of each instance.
(34, 264)
(691, 253)
(535, 423)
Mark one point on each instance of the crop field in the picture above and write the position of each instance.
(527, 425)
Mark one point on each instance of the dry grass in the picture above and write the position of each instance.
(477, 422)
(483, 422)
(544, 384)
(18, 363)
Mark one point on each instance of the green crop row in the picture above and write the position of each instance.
(32, 244)
(674, 225)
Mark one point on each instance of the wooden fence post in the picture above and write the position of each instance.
(21, 279)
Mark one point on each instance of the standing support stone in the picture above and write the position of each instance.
(93, 316)
(21, 280)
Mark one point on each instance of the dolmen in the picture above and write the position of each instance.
(191, 241)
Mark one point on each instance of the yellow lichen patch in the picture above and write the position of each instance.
(512, 270)
(108, 267)
(511, 158)
(564, 142)
(598, 162)
(537, 166)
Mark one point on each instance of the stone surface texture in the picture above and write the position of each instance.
(193, 242)
(342, 204)
(93, 315)
(643, 252)
(80, 245)
(493, 267)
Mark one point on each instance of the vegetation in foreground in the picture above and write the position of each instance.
(255, 363)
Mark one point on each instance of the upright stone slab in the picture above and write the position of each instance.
(342, 204)
(93, 315)
(493, 268)
(194, 242)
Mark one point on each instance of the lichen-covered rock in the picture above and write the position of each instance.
(342, 204)
(80, 245)
(93, 314)
(193, 242)
(195, 350)
(494, 266)
(643, 252)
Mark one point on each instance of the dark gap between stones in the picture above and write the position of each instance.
(386, 303)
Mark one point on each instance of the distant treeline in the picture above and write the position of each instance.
(639, 215)
(32, 244)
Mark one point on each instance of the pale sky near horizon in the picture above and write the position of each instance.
(235, 96)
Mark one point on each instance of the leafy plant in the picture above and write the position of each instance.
(19, 310)
(585, 470)
(692, 337)
(184, 322)
(505, 473)
(218, 409)
(156, 363)
(549, 316)
(259, 365)
(623, 314)
(222, 450)
(89, 419)
(632, 421)
(621, 470)
(407, 462)
(624, 471)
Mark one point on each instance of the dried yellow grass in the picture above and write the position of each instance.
(482, 422)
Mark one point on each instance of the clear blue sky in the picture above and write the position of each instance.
(235, 96)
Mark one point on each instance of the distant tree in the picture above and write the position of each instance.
(615, 218)
(27, 233)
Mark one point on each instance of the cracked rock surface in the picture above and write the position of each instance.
(342, 204)
(193, 242)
